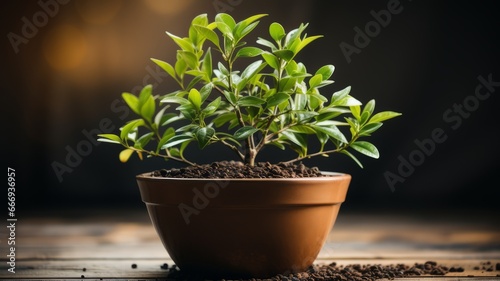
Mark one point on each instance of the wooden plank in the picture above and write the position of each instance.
(59, 248)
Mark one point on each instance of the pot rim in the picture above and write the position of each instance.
(329, 176)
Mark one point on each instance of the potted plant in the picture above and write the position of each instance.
(244, 218)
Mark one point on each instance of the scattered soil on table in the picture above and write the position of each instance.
(235, 170)
(332, 272)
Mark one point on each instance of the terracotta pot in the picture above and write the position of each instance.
(243, 227)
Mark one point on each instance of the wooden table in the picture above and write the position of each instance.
(104, 245)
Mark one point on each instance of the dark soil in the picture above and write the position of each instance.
(236, 170)
(332, 272)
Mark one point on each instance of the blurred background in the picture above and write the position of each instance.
(65, 64)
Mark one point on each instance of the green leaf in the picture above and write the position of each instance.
(209, 34)
(340, 95)
(245, 132)
(207, 65)
(148, 109)
(195, 98)
(303, 129)
(125, 155)
(276, 31)
(369, 128)
(326, 71)
(189, 58)
(226, 30)
(296, 138)
(111, 138)
(352, 157)
(226, 19)
(184, 43)
(315, 80)
(167, 135)
(204, 135)
(251, 70)
(306, 42)
(366, 148)
(132, 102)
(144, 96)
(369, 107)
(165, 66)
(277, 99)
(175, 140)
(159, 116)
(212, 106)
(224, 118)
(331, 131)
(129, 127)
(271, 60)
(286, 55)
(143, 140)
(356, 112)
(250, 101)
(267, 43)
(382, 116)
(174, 99)
(249, 52)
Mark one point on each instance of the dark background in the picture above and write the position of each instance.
(69, 76)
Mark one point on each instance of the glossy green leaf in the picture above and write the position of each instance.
(276, 31)
(130, 127)
(148, 109)
(204, 135)
(277, 99)
(111, 138)
(286, 55)
(340, 95)
(352, 157)
(224, 118)
(366, 148)
(182, 42)
(382, 116)
(369, 107)
(176, 140)
(326, 71)
(165, 66)
(195, 98)
(189, 58)
(251, 70)
(207, 65)
(249, 52)
(250, 101)
(209, 34)
(370, 128)
(271, 60)
(245, 132)
(212, 106)
(132, 102)
(315, 80)
(226, 19)
(331, 131)
(143, 140)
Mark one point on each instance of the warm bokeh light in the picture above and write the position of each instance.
(65, 47)
(168, 7)
(98, 12)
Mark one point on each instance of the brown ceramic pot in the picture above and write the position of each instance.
(243, 227)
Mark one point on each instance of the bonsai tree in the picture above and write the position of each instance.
(273, 100)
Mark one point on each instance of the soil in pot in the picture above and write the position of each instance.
(236, 170)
